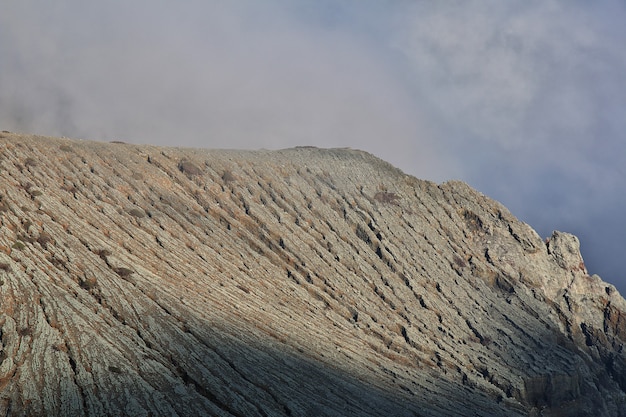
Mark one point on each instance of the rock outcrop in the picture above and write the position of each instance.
(148, 281)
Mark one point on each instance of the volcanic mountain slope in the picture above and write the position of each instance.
(148, 281)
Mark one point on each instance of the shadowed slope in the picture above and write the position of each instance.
(140, 280)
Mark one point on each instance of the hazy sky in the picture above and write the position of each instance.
(525, 100)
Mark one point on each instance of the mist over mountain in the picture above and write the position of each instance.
(150, 281)
(523, 100)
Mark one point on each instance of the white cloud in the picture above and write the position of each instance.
(235, 74)
(506, 72)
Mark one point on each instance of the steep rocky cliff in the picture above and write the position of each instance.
(147, 281)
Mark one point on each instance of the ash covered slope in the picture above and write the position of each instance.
(139, 280)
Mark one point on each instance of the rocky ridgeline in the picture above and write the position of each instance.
(148, 281)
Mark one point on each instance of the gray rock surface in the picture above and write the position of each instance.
(148, 281)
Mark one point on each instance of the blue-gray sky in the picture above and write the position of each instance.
(523, 99)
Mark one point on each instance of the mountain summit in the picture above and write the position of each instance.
(152, 281)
